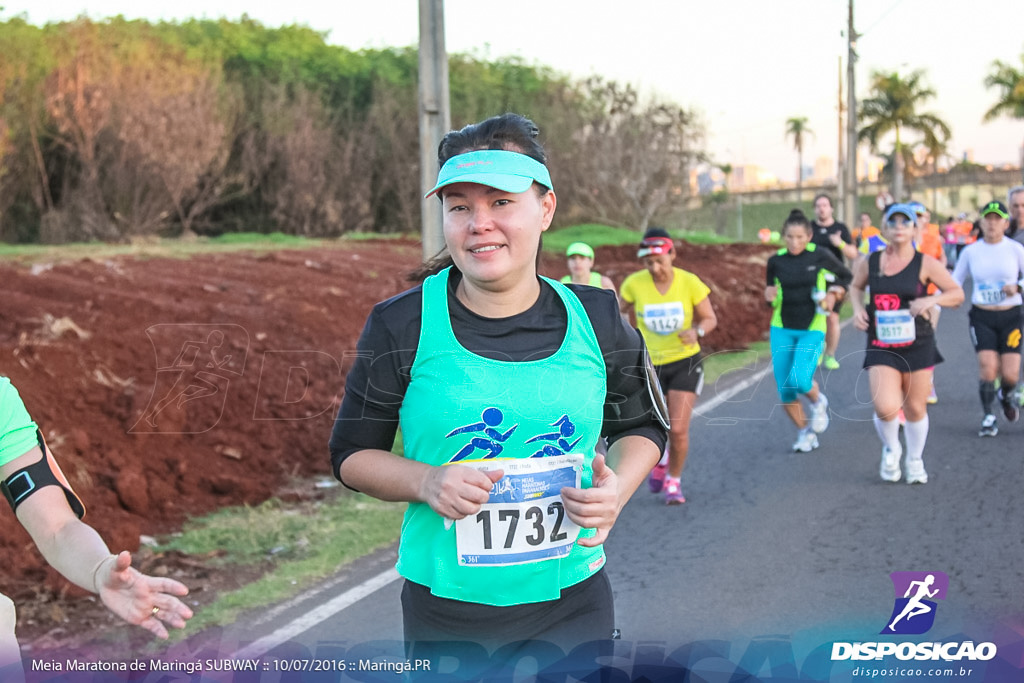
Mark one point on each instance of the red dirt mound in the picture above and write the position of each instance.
(168, 388)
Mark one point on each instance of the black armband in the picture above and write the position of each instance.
(635, 410)
(44, 472)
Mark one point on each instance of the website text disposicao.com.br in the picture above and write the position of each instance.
(904, 672)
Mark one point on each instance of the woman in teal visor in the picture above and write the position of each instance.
(499, 381)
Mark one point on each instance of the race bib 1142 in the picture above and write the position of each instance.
(524, 519)
(664, 318)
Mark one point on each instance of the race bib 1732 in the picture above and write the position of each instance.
(524, 520)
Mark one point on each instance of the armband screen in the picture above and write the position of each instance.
(44, 472)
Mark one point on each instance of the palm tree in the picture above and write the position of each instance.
(1010, 81)
(893, 108)
(796, 127)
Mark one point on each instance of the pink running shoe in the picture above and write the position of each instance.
(673, 496)
(657, 479)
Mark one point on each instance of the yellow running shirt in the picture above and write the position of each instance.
(661, 317)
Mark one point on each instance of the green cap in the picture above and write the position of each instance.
(580, 249)
(497, 168)
(995, 207)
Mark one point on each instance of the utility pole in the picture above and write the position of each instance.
(435, 117)
(850, 206)
(840, 165)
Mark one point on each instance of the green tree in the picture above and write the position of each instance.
(893, 107)
(1010, 82)
(796, 127)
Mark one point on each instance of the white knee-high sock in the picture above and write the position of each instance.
(917, 434)
(888, 432)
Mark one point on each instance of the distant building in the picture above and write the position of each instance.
(869, 168)
(824, 171)
(751, 177)
(701, 181)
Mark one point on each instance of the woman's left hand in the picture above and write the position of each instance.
(689, 336)
(596, 507)
(133, 596)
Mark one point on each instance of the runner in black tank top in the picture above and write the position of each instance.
(901, 341)
(894, 293)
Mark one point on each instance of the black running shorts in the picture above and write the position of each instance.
(998, 331)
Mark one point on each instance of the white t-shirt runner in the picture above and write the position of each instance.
(991, 267)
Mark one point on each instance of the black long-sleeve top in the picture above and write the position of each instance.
(797, 277)
(377, 382)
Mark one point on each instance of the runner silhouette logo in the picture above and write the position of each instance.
(914, 609)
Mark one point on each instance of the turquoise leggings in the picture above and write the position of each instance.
(795, 355)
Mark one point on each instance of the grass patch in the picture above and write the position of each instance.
(594, 234)
(301, 544)
(722, 362)
(597, 235)
(28, 254)
(737, 222)
(248, 238)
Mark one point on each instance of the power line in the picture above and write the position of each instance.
(861, 34)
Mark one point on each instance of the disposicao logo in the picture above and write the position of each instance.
(913, 613)
(916, 592)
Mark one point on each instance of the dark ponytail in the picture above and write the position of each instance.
(796, 217)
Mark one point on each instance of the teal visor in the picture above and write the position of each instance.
(505, 171)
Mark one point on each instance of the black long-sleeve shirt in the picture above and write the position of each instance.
(797, 279)
(377, 382)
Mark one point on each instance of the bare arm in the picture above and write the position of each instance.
(857, 287)
(74, 549)
(950, 293)
(704, 318)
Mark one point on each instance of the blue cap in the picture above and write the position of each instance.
(497, 168)
(906, 210)
(918, 208)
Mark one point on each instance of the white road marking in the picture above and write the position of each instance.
(323, 612)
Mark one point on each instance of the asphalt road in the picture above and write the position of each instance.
(776, 555)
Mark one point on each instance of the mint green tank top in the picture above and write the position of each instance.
(595, 279)
(461, 407)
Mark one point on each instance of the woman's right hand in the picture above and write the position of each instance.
(455, 491)
(860, 319)
(769, 293)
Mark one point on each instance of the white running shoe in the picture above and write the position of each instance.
(988, 426)
(915, 472)
(890, 468)
(819, 414)
(806, 441)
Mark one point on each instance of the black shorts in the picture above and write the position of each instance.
(996, 330)
(922, 354)
(585, 612)
(682, 375)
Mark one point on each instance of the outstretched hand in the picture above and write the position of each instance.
(596, 507)
(133, 596)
